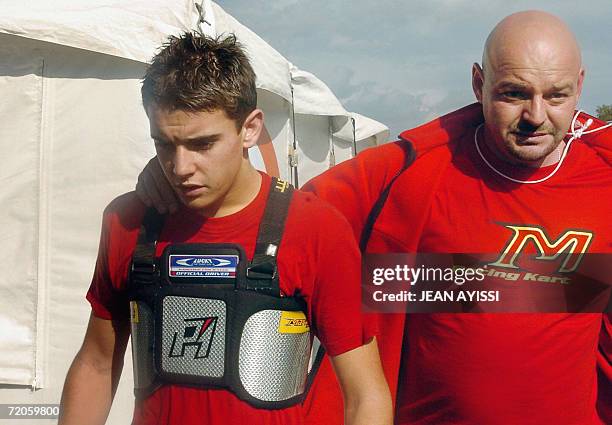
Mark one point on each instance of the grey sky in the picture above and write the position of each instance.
(404, 62)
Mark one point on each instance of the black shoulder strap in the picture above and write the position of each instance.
(409, 157)
(144, 266)
(262, 271)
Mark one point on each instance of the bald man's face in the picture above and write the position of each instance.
(528, 92)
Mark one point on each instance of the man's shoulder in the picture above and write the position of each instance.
(367, 172)
(386, 154)
(437, 137)
(382, 159)
(598, 136)
(309, 207)
(311, 215)
(444, 132)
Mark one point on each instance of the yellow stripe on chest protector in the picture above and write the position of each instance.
(293, 322)
(134, 312)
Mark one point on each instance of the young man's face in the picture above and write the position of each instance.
(201, 154)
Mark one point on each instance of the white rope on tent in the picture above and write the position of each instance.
(354, 136)
(206, 19)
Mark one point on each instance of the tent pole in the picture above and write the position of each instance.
(293, 160)
(332, 152)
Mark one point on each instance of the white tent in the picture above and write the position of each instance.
(74, 136)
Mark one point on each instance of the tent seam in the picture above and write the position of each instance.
(42, 229)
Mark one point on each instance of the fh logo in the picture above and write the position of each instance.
(572, 245)
(197, 333)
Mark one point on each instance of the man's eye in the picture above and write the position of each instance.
(161, 145)
(202, 146)
(514, 94)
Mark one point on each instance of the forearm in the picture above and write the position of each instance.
(375, 409)
(88, 392)
(367, 400)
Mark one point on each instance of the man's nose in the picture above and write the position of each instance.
(183, 165)
(534, 111)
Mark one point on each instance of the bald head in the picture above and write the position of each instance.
(529, 86)
(537, 34)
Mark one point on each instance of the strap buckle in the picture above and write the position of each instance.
(145, 268)
(265, 270)
(143, 273)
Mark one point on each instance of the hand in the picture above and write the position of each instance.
(154, 190)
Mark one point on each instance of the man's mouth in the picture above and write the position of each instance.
(525, 137)
(191, 190)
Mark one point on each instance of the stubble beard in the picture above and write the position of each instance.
(530, 153)
(518, 151)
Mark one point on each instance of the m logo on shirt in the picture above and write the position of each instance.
(571, 246)
(198, 333)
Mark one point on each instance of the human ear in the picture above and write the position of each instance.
(580, 81)
(477, 81)
(251, 129)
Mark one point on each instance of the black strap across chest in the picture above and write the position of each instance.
(262, 271)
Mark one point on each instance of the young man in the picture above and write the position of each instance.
(200, 97)
(479, 172)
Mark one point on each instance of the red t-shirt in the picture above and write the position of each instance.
(317, 258)
(507, 368)
(479, 368)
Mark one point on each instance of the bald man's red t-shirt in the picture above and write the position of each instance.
(507, 368)
(480, 369)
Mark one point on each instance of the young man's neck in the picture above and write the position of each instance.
(244, 190)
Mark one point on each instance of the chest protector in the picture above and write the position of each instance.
(202, 315)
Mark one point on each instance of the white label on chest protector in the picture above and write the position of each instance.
(221, 266)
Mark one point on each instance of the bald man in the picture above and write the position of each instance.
(464, 183)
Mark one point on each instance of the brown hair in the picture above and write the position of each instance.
(198, 73)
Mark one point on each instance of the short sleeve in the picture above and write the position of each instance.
(120, 224)
(336, 301)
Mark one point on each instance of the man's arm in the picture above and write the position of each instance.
(94, 374)
(367, 400)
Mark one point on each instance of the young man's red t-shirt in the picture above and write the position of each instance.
(316, 259)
